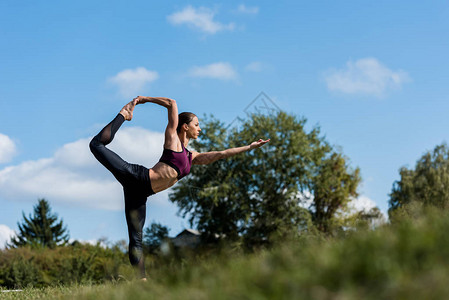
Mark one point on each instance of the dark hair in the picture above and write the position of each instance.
(184, 118)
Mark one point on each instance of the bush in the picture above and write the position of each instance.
(77, 263)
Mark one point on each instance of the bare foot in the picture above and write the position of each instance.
(127, 110)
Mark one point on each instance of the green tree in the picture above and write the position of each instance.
(333, 186)
(427, 184)
(260, 193)
(154, 236)
(41, 229)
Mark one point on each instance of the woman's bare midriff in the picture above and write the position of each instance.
(162, 176)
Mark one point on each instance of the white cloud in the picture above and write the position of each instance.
(361, 203)
(242, 8)
(365, 76)
(5, 235)
(305, 199)
(201, 18)
(220, 70)
(73, 175)
(255, 66)
(132, 82)
(365, 204)
(7, 148)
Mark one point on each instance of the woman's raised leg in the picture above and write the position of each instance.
(114, 163)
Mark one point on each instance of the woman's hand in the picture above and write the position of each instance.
(163, 101)
(258, 144)
(140, 99)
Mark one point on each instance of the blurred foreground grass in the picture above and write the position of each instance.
(406, 260)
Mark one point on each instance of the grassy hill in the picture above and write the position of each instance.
(407, 260)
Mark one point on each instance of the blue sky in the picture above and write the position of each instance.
(372, 75)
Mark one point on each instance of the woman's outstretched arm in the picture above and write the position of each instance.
(210, 157)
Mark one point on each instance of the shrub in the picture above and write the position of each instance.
(77, 263)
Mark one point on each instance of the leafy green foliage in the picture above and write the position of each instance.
(76, 263)
(260, 194)
(41, 229)
(428, 183)
(333, 187)
(367, 219)
(153, 237)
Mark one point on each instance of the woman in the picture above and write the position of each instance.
(139, 182)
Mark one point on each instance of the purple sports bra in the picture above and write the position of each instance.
(180, 161)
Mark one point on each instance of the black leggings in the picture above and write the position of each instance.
(136, 184)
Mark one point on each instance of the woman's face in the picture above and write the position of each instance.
(194, 129)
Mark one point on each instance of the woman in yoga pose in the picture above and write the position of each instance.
(140, 182)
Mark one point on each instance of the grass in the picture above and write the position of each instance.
(59, 292)
(409, 260)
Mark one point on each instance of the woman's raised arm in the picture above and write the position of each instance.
(170, 104)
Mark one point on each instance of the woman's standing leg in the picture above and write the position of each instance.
(135, 211)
